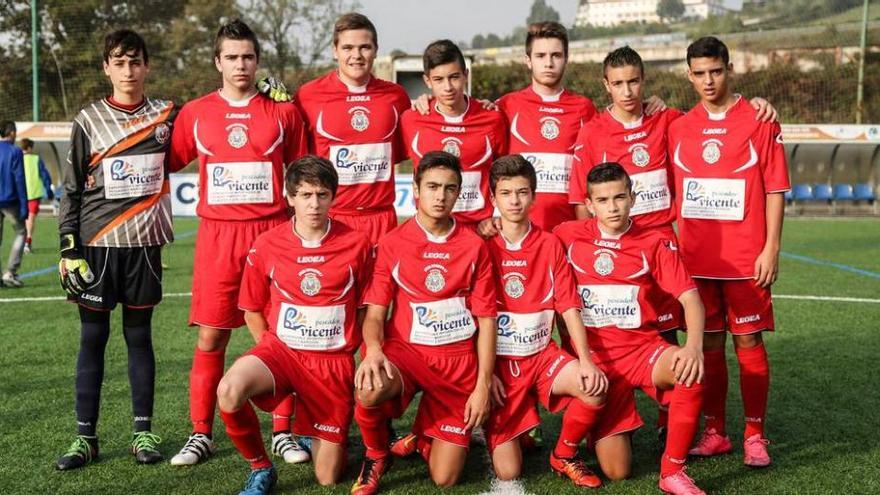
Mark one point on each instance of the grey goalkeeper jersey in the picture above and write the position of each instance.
(116, 191)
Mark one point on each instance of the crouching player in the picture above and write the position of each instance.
(533, 283)
(310, 274)
(621, 271)
(438, 276)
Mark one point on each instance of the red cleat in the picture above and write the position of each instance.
(576, 470)
(367, 482)
(756, 454)
(404, 446)
(711, 443)
(680, 484)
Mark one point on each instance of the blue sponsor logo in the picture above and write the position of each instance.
(298, 322)
(506, 326)
(430, 319)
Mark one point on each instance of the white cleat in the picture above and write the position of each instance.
(286, 447)
(197, 449)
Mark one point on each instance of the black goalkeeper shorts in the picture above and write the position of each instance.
(128, 276)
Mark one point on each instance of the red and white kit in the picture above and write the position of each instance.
(437, 287)
(725, 165)
(310, 292)
(242, 148)
(533, 283)
(640, 148)
(357, 128)
(544, 129)
(621, 281)
(477, 138)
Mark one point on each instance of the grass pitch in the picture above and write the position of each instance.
(822, 420)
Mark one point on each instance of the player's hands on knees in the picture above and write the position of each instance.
(687, 365)
(489, 227)
(654, 104)
(767, 267)
(766, 111)
(369, 373)
(422, 104)
(497, 391)
(476, 411)
(74, 271)
(593, 381)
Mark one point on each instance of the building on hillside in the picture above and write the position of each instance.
(607, 13)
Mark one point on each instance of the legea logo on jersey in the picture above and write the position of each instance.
(325, 328)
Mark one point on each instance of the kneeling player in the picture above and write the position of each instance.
(533, 282)
(438, 276)
(310, 274)
(621, 271)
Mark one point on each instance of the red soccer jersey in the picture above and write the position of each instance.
(622, 280)
(533, 283)
(477, 138)
(242, 149)
(438, 286)
(641, 149)
(357, 129)
(725, 165)
(312, 289)
(543, 129)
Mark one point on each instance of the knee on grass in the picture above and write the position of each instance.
(507, 471)
(444, 478)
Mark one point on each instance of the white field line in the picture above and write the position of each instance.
(496, 486)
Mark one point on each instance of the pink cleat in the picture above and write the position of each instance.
(756, 454)
(711, 443)
(680, 484)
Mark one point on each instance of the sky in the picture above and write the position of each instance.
(411, 25)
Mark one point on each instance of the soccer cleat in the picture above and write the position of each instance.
(367, 482)
(576, 470)
(756, 454)
(679, 484)
(260, 482)
(286, 447)
(404, 446)
(11, 280)
(145, 447)
(83, 451)
(197, 449)
(711, 443)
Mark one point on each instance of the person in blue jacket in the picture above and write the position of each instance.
(13, 199)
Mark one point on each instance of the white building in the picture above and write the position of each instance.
(613, 12)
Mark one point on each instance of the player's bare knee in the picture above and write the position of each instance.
(506, 471)
(230, 394)
(369, 398)
(212, 339)
(747, 341)
(617, 474)
(444, 478)
(327, 475)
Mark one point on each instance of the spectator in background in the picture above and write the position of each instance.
(39, 186)
(13, 199)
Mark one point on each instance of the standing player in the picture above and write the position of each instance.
(439, 278)
(310, 274)
(354, 121)
(13, 200)
(731, 175)
(459, 125)
(115, 216)
(533, 283)
(39, 186)
(621, 269)
(242, 140)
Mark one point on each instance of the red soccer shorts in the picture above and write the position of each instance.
(628, 371)
(221, 250)
(374, 223)
(739, 306)
(323, 384)
(550, 210)
(33, 207)
(446, 382)
(526, 382)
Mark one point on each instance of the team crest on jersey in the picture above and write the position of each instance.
(640, 155)
(163, 132)
(310, 285)
(711, 151)
(452, 146)
(359, 119)
(434, 280)
(514, 286)
(604, 263)
(550, 128)
(237, 136)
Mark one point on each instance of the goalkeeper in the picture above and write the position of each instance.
(115, 216)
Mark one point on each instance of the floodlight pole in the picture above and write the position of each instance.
(860, 92)
(35, 61)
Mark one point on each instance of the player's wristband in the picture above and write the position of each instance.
(70, 246)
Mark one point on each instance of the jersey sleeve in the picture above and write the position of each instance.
(73, 180)
(482, 299)
(254, 293)
(380, 291)
(772, 159)
(589, 111)
(577, 181)
(668, 269)
(407, 125)
(565, 290)
(183, 147)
